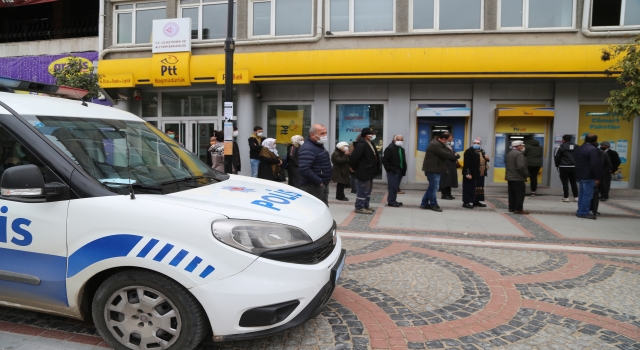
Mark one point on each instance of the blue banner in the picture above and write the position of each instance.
(351, 120)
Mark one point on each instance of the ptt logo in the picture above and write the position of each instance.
(168, 65)
(517, 128)
(277, 197)
(23, 238)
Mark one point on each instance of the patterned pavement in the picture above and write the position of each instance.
(545, 281)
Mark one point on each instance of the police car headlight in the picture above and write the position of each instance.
(258, 237)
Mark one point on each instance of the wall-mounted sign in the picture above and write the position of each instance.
(116, 80)
(171, 35)
(240, 76)
(171, 69)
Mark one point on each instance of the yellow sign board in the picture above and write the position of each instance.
(116, 80)
(288, 123)
(239, 76)
(170, 69)
(525, 112)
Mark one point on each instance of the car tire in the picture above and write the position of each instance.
(167, 316)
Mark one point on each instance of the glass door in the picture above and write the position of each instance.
(194, 135)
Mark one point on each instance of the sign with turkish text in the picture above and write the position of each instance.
(351, 120)
(116, 80)
(171, 35)
(240, 76)
(288, 123)
(171, 69)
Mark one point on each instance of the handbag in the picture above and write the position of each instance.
(279, 176)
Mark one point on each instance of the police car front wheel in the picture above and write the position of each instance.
(138, 309)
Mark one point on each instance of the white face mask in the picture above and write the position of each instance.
(345, 148)
(235, 133)
(373, 137)
(323, 139)
(301, 143)
(399, 143)
(259, 134)
(522, 149)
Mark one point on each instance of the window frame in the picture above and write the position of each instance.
(609, 28)
(525, 18)
(272, 24)
(132, 11)
(436, 20)
(200, 6)
(351, 31)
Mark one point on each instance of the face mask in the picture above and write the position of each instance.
(173, 136)
(476, 146)
(323, 139)
(522, 149)
(235, 133)
(301, 143)
(373, 137)
(399, 143)
(449, 143)
(345, 148)
(259, 134)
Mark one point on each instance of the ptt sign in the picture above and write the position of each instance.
(171, 69)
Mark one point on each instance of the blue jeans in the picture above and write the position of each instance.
(393, 180)
(364, 194)
(585, 195)
(431, 195)
(255, 163)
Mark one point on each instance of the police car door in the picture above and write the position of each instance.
(33, 251)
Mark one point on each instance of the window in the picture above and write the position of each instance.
(134, 22)
(208, 18)
(537, 14)
(615, 13)
(361, 16)
(285, 121)
(281, 17)
(190, 104)
(352, 118)
(447, 14)
(13, 153)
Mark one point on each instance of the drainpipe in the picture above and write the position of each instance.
(101, 26)
(586, 31)
(317, 37)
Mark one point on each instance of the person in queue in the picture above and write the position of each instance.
(340, 173)
(564, 159)
(270, 161)
(255, 146)
(366, 164)
(293, 170)
(516, 175)
(394, 160)
(474, 171)
(449, 179)
(534, 153)
(216, 150)
(589, 167)
(314, 164)
(434, 166)
(235, 160)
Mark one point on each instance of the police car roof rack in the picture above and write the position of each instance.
(10, 85)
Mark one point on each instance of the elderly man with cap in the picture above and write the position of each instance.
(395, 163)
(605, 185)
(517, 173)
(365, 162)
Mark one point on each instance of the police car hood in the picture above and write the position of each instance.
(243, 197)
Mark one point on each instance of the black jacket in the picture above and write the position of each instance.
(391, 159)
(235, 160)
(472, 163)
(588, 162)
(314, 164)
(564, 156)
(615, 159)
(436, 156)
(255, 146)
(292, 167)
(606, 162)
(364, 160)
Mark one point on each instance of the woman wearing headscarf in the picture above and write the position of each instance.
(449, 179)
(269, 160)
(216, 150)
(474, 170)
(292, 160)
(341, 174)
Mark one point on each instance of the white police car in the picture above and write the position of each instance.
(103, 216)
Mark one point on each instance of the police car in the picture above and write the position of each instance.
(104, 217)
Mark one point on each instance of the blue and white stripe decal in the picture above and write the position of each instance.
(139, 247)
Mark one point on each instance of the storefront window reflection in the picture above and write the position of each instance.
(190, 104)
(352, 118)
(149, 104)
(285, 121)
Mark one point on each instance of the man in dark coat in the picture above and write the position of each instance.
(340, 173)
(434, 165)
(564, 159)
(314, 164)
(449, 179)
(395, 163)
(255, 146)
(588, 174)
(605, 185)
(534, 154)
(516, 174)
(366, 164)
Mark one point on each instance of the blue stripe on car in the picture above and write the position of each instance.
(101, 249)
(147, 248)
(193, 264)
(207, 271)
(178, 258)
(163, 252)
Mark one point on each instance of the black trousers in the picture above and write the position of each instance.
(516, 195)
(568, 177)
(340, 191)
(533, 171)
(605, 185)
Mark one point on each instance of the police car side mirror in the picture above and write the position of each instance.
(22, 181)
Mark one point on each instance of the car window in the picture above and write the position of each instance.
(13, 153)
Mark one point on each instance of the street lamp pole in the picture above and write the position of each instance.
(229, 47)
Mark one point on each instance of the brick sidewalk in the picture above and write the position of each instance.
(417, 279)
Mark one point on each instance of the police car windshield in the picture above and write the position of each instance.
(119, 153)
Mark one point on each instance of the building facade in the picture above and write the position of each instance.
(495, 69)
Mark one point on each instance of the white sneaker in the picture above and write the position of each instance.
(566, 200)
(575, 199)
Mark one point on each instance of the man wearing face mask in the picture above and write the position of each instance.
(314, 164)
(395, 163)
(605, 185)
(366, 164)
(255, 146)
(235, 160)
(434, 165)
